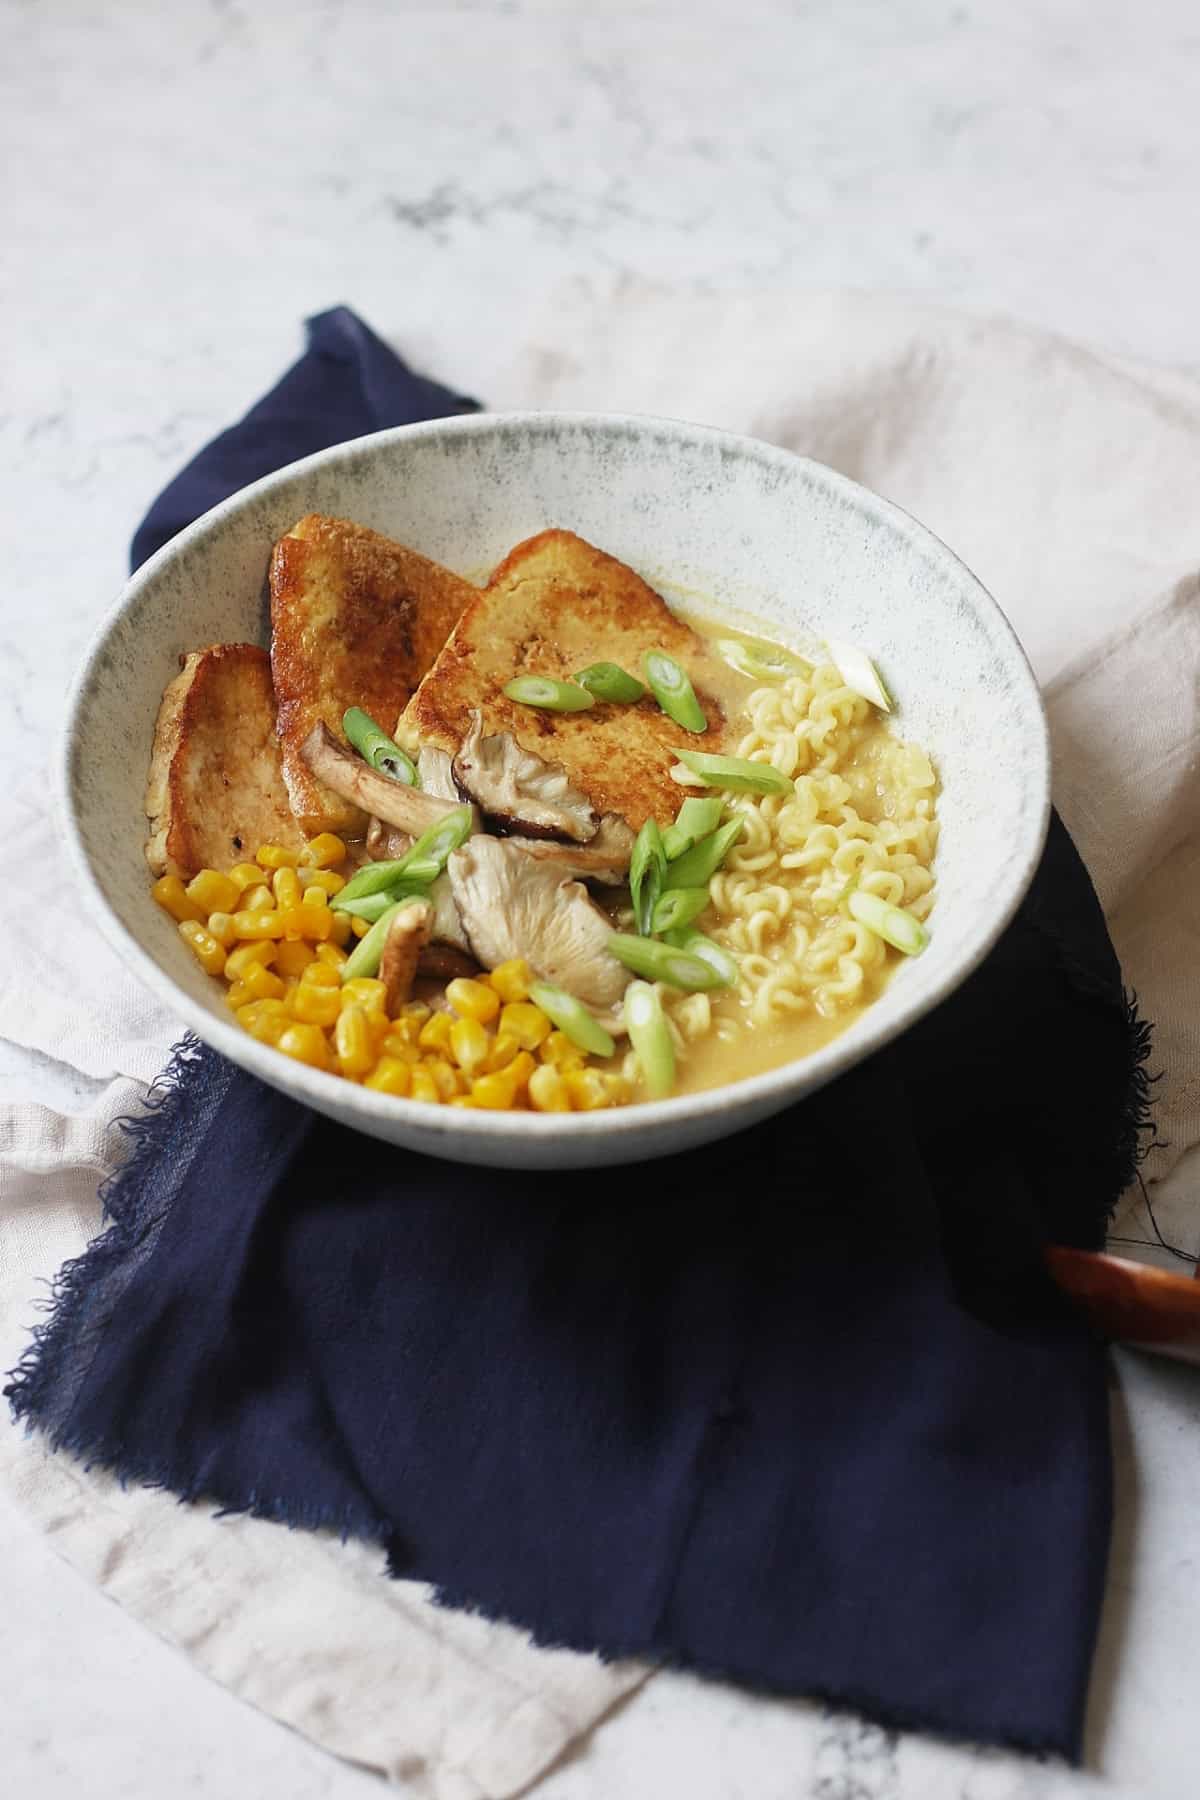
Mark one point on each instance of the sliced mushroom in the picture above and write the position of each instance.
(437, 775)
(410, 809)
(604, 859)
(511, 905)
(518, 789)
(442, 962)
(385, 843)
(447, 926)
(407, 936)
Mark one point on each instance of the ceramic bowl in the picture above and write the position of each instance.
(721, 523)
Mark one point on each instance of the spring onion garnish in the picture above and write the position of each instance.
(894, 924)
(367, 954)
(680, 773)
(373, 906)
(676, 908)
(859, 673)
(697, 866)
(372, 878)
(609, 681)
(432, 850)
(673, 691)
(694, 943)
(656, 961)
(738, 773)
(647, 872)
(650, 1036)
(572, 1018)
(544, 691)
(694, 820)
(376, 747)
(760, 660)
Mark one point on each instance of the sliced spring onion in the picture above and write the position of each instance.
(647, 872)
(609, 681)
(673, 691)
(432, 850)
(376, 747)
(572, 1018)
(680, 773)
(760, 660)
(545, 691)
(373, 906)
(859, 673)
(694, 820)
(367, 954)
(697, 866)
(694, 943)
(650, 1036)
(894, 924)
(656, 961)
(372, 878)
(676, 908)
(738, 773)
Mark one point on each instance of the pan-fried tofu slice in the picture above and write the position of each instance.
(554, 605)
(356, 620)
(215, 789)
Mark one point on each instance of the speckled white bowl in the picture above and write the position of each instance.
(752, 530)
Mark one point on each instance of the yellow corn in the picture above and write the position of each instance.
(331, 955)
(257, 899)
(239, 960)
(203, 945)
(365, 991)
(463, 1100)
(315, 896)
(524, 1022)
(222, 927)
(587, 1090)
(245, 875)
(435, 1032)
(307, 921)
(274, 856)
(293, 957)
(325, 879)
(446, 1080)
(472, 1000)
(548, 1090)
(306, 1044)
(172, 896)
(504, 1048)
(616, 1087)
(322, 974)
(469, 1044)
(511, 979)
(389, 1076)
(285, 885)
(499, 1091)
(422, 1085)
(324, 850)
(352, 1039)
(396, 1046)
(314, 1005)
(340, 931)
(257, 923)
(266, 1020)
(237, 995)
(559, 1050)
(261, 983)
(359, 927)
(213, 892)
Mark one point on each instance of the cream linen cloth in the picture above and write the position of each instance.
(1068, 482)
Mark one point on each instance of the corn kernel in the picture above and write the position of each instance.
(266, 1020)
(331, 955)
(463, 1100)
(203, 945)
(257, 923)
(173, 897)
(470, 1044)
(526, 1023)
(447, 1081)
(261, 983)
(414, 1013)
(389, 1076)
(587, 1090)
(237, 995)
(352, 1040)
(314, 1005)
(306, 1044)
(213, 892)
(422, 1085)
(246, 875)
(365, 991)
(314, 896)
(512, 979)
(274, 856)
(396, 1046)
(499, 1091)
(504, 1048)
(222, 927)
(293, 957)
(435, 1032)
(324, 850)
(285, 885)
(321, 974)
(559, 1050)
(341, 930)
(472, 1000)
(548, 1090)
(619, 1091)
(307, 922)
(239, 960)
(325, 879)
(258, 899)
(358, 926)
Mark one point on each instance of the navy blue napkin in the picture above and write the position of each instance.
(799, 1409)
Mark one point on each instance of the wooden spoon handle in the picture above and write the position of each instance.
(1131, 1301)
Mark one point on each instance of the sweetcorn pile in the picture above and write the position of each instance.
(268, 929)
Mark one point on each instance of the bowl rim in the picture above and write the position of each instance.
(762, 1093)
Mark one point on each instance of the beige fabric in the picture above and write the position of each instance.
(1069, 483)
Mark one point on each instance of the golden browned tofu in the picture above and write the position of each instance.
(215, 789)
(356, 620)
(554, 605)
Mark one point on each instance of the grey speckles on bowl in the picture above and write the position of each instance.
(753, 529)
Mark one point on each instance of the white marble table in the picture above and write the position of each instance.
(184, 184)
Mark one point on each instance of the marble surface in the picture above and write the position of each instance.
(185, 184)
